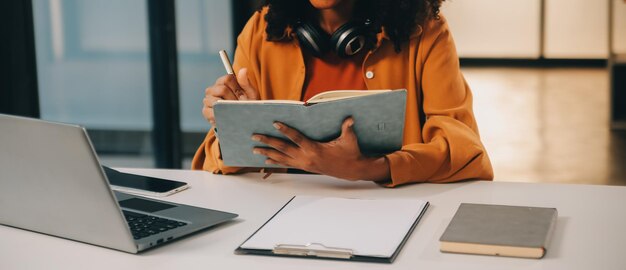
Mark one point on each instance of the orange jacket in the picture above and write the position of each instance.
(446, 149)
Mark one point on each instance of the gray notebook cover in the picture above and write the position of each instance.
(502, 225)
(378, 124)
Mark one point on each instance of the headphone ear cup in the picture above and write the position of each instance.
(348, 39)
(313, 39)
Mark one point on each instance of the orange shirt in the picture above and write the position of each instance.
(332, 72)
(445, 148)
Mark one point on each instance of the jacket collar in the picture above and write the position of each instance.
(383, 33)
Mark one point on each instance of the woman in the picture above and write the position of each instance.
(407, 44)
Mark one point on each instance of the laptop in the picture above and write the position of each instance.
(51, 182)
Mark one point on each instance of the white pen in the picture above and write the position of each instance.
(227, 65)
(239, 93)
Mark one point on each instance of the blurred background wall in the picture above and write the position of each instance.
(541, 72)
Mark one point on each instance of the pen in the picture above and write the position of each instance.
(230, 71)
(227, 65)
(239, 93)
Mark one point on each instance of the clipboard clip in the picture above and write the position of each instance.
(313, 249)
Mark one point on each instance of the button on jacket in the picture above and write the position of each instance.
(445, 148)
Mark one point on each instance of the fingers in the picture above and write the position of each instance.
(250, 92)
(273, 156)
(295, 136)
(277, 144)
(231, 82)
(347, 131)
(274, 162)
(207, 109)
(209, 101)
(230, 87)
(220, 91)
(226, 87)
(208, 115)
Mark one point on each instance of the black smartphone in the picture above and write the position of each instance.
(142, 185)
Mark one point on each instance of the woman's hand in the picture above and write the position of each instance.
(228, 87)
(340, 158)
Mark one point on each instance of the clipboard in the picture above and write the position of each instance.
(305, 227)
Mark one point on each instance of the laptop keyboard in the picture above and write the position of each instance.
(142, 226)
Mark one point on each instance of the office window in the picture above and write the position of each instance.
(203, 27)
(93, 70)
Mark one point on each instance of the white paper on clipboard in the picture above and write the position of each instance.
(366, 227)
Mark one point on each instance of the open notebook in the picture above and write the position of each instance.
(338, 228)
(378, 122)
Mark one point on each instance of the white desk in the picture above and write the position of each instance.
(590, 231)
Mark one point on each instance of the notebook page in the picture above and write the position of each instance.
(372, 228)
(341, 94)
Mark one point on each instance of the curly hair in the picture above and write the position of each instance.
(399, 18)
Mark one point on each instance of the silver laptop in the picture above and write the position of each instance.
(52, 182)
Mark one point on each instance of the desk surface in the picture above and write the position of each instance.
(590, 230)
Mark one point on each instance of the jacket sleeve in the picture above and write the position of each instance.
(451, 148)
(208, 156)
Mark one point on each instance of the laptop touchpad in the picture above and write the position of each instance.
(145, 205)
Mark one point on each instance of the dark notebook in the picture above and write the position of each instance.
(500, 230)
